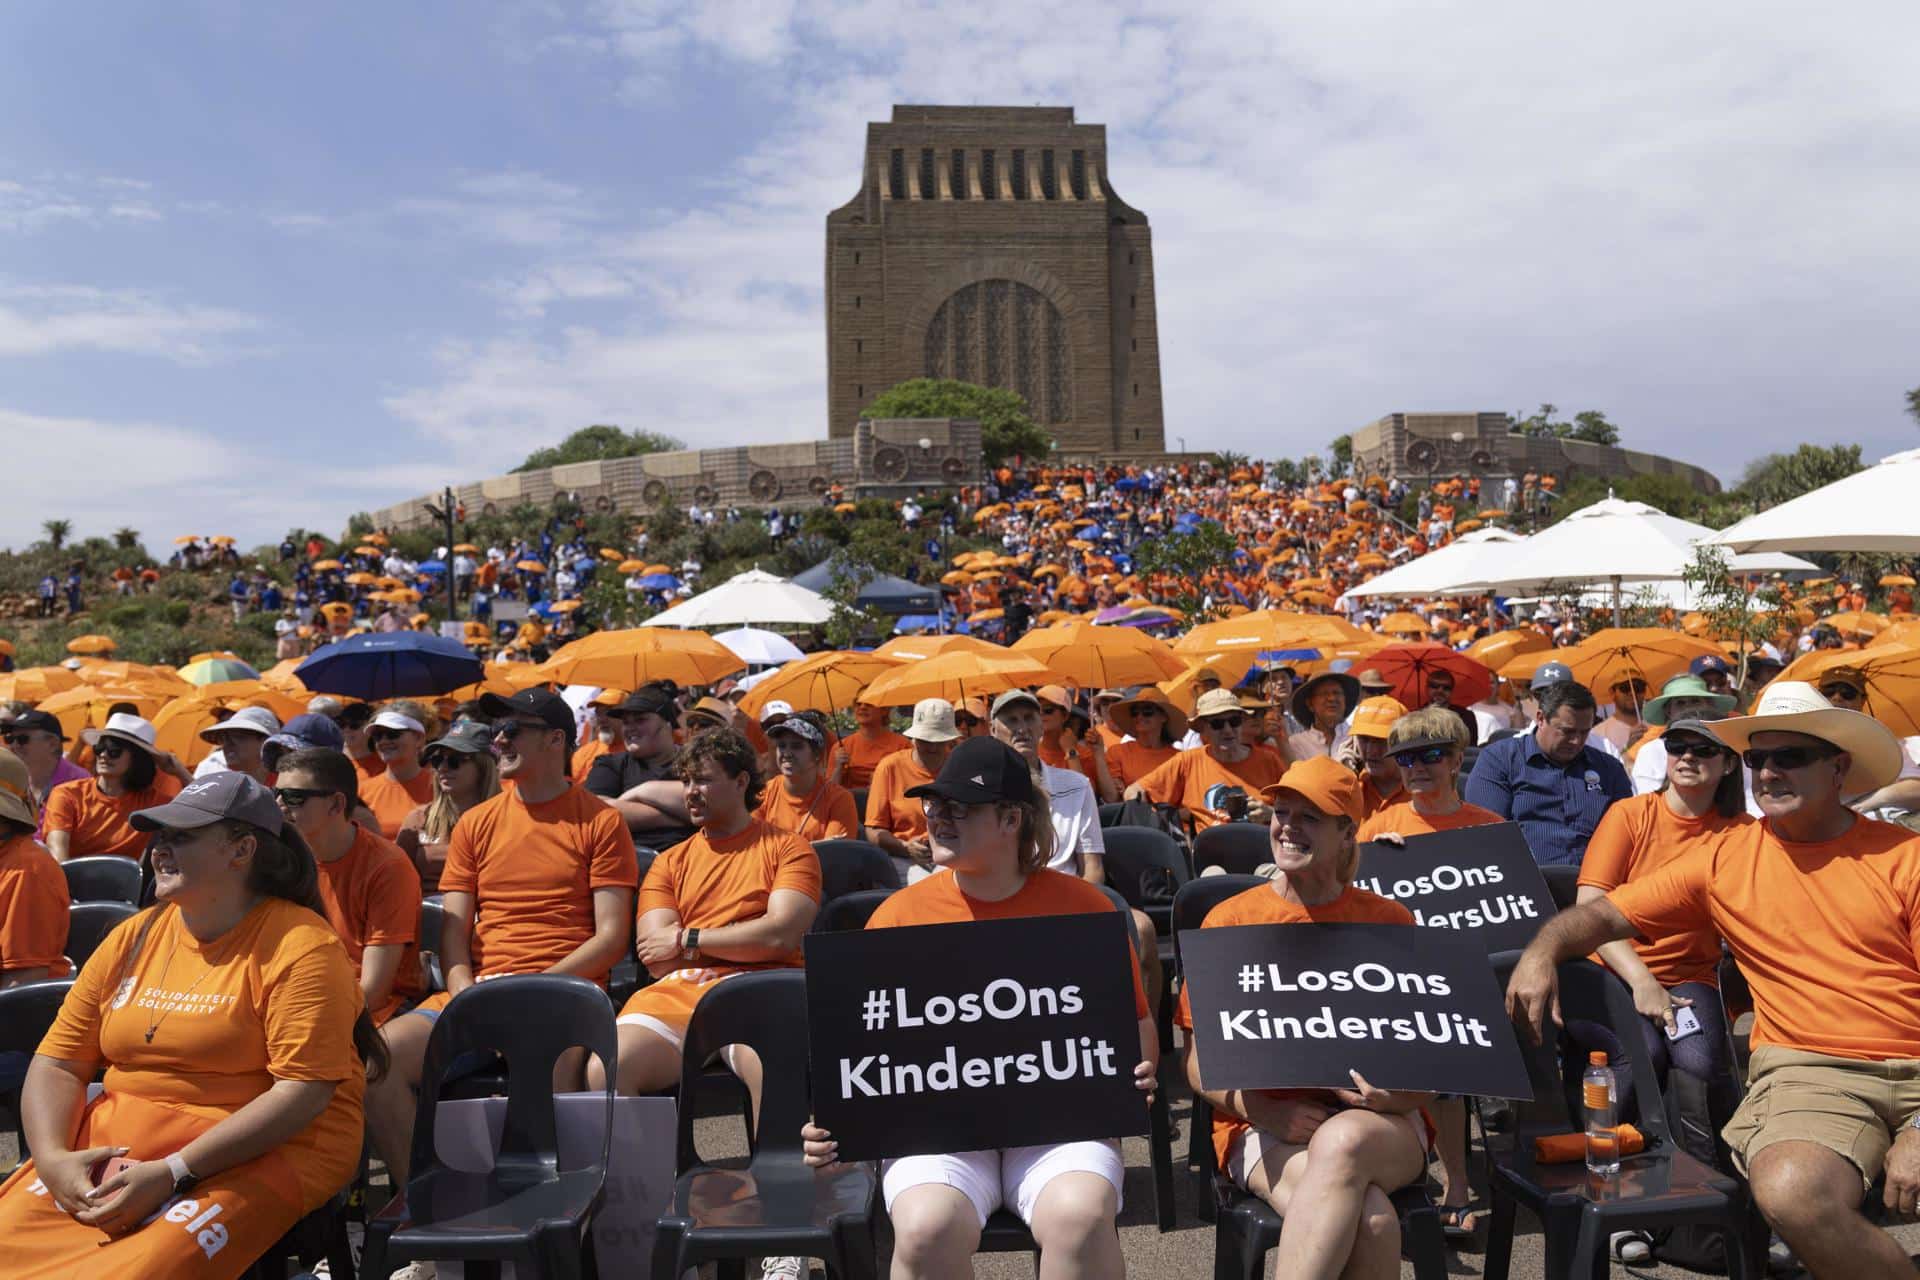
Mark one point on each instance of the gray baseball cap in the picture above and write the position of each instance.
(468, 736)
(1548, 673)
(211, 799)
(1013, 698)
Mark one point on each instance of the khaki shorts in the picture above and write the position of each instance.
(1848, 1105)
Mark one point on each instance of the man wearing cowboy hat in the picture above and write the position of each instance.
(1819, 906)
(1323, 705)
(1203, 782)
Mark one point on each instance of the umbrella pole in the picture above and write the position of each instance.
(1616, 599)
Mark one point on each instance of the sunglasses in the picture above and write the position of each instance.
(294, 797)
(511, 729)
(18, 739)
(1424, 755)
(1785, 759)
(1693, 748)
(1841, 693)
(1226, 722)
(954, 811)
(377, 736)
(447, 760)
(965, 722)
(110, 750)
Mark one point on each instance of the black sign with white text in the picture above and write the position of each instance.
(1296, 1006)
(967, 1037)
(1479, 880)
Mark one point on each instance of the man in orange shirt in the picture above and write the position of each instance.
(896, 822)
(539, 879)
(736, 897)
(404, 784)
(371, 891)
(33, 896)
(1820, 907)
(862, 750)
(1202, 781)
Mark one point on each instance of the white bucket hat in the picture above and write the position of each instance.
(246, 720)
(932, 721)
(127, 728)
(1793, 706)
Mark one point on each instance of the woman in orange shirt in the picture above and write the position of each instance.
(1427, 746)
(33, 898)
(1153, 724)
(862, 750)
(803, 801)
(233, 1037)
(89, 817)
(464, 775)
(1325, 1159)
(989, 831)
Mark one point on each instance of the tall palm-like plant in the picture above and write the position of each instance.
(126, 538)
(57, 532)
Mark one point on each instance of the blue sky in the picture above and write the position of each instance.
(264, 266)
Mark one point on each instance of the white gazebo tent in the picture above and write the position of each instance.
(1468, 558)
(1868, 511)
(751, 599)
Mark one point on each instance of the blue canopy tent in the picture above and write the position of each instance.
(886, 593)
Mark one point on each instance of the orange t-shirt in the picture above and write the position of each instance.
(889, 807)
(1131, 761)
(1371, 801)
(532, 870)
(584, 756)
(1186, 779)
(274, 998)
(369, 766)
(825, 813)
(864, 754)
(938, 899)
(1056, 755)
(1110, 735)
(1825, 933)
(98, 822)
(372, 896)
(1404, 819)
(1264, 904)
(33, 908)
(710, 883)
(1636, 838)
(392, 800)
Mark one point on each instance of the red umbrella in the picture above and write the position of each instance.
(1407, 666)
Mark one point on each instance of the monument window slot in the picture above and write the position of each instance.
(1019, 174)
(958, 175)
(926, 173)
(989, 177)
(1079, 178)
(897, 174)
(1049, 181)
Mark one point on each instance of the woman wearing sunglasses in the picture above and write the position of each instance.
(398, 735)
(1427, 746)
(130, 773)
(464, 775)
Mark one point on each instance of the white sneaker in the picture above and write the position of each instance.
(416, 1271)
(783, 1269)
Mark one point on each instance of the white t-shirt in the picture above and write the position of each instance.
(1076, 818)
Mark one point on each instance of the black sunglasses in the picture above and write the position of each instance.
(447, 759)
(294, 797)
(1785, 759)
(1697, 748)
(1420, 755)
(1833, 692)
(18, 739)
(511, 729)
(111, 750)
(1227, 722)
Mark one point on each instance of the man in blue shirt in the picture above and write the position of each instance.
(1550, 781)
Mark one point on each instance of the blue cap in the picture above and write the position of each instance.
(1551, 673)
(1708, 662)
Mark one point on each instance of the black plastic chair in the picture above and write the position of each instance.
(848, 866)
(105, 878)
(1110, 813)
(433, 919)
(322, 1234)
(1235, 847)
(525, 1210)
(1563, 885)
(1246, 1228)
(860, 802)
(629, 976)
(1147, 867)
(1662, 1186)
(26, 1015)
(89, 923)
(850, 911)
(1160, 1113)
(776, 1205)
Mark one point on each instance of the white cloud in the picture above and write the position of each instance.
(1696, 219)
(38, 202)
(39, 320)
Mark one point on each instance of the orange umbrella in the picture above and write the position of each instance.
(1609, 656)
(322, 566)
(629, 659)
(364, 550)
(1891, 673)
(824, 682)
(1855, 622)
(1907, 632)
(280, 676)
(36, 684)
(565, 606)
(377, 539)
(1401, 622)
(91, 644)
(1265, 629)
(609, 554)
(919, 648)
(956, 677)
(1093, 657)
(497, 679)
(1502, 647)
(177, 725)
(466, 548)
(221, 540)
(87, 706)
(631, 566)
(529, 566)
(987, 615)
(362, 579)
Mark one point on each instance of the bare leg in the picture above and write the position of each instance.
(1376, 1246)
(1322, 1192)
(390, 1100)
(649, 1062)
(1073, 1224)
(935, 1231)
(745, 1064)
(1450, 1118)
(1811, 1195)
(1150, 975)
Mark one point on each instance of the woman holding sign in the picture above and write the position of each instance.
(989, 829)
(1325, 1159)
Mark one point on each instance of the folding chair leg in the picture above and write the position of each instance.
(1590, 1245)
(1425, 1244)
(1499, 1232)
(557, 1255)
(1160, 1139)
(1561, 1226)
(730, 1268)
(669, 1247)
(1230, 1250)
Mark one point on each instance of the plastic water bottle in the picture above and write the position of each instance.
(1602, 1105)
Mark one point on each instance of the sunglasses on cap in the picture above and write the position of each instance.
(1784, 759)
(1420, 755)
(1696, 748)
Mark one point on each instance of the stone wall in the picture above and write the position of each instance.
(1416, 446)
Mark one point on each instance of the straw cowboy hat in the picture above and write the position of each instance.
(1793, 706)
(1120, 715)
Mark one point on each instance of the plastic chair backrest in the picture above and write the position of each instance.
(27, 1013)
(89, 923)
(529, 1020)
(767, 1012)
(1138, 858)
(1110, 813)
(847, 866)
(860, 802)
(1592, 994)
(1121, 905)
(1235, 847)
(104, 878)
(644, 857)
(1563, 883)
(849, 911)
(433, 919)
(1203, 894)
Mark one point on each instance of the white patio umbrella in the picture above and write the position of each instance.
(760, 648)
(753, 598)
(1468, 558)
(1869, 511)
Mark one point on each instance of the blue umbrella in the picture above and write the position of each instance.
(390, 664)
(430, 566)
(660, 582)
(585, 564)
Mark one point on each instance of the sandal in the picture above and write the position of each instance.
(1459, 1223)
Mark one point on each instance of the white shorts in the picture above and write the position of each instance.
(1012, 1177)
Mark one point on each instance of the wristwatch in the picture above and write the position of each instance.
(1914, 1123)
(184, 1179)
(691, 945)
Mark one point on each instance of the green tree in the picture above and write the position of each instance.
(597, 443)
(57, 532)
(1592, 425)
(1006, 428)
(1342, 451)
(126, 538)
(1187, 557)
(1780, 477)
(1913, 403)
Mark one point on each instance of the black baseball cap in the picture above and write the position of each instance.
(543, 705)
(652, 699)
(42, 721)
(981, 771)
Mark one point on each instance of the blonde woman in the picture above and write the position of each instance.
(464, 775)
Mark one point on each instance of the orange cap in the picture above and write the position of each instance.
(1325, 783)
(1056, 694)
(1374, 717)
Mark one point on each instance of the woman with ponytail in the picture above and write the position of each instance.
(236, 1048)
